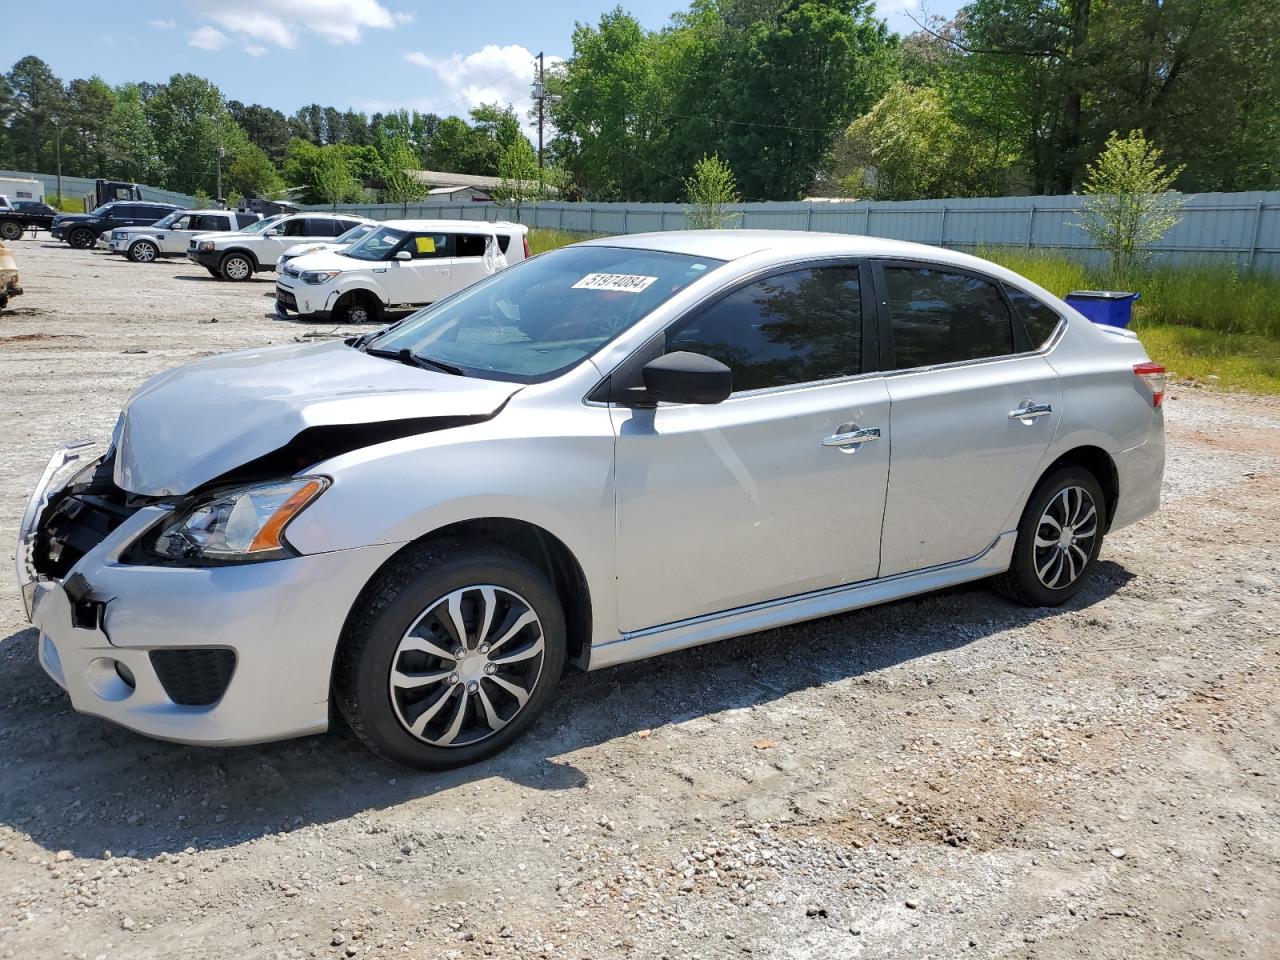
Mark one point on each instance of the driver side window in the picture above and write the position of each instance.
(796, 327)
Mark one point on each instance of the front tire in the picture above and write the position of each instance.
(450, 654)
(81, 239)
(236, 266)
(357, 308)
(1059, 538)
(144, 251)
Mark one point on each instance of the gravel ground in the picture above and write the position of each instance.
(941, 777)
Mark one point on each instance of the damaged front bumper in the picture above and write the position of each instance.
(220, 655)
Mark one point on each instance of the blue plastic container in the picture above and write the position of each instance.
(1112, 307)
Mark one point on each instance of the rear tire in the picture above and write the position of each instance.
(418, 691)
(1059, 538)
(236, 266)
(144, 251)
(81, 239)
(10, 230)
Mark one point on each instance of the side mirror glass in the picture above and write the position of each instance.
(404, 255)
(684, 377)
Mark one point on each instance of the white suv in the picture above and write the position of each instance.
(238, 256)
(403, 265)
(354, 235)
(171, 236)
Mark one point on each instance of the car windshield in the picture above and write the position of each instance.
(377, 245)
(355, 233)
(263, 224)
(537, 319)
(170, 219)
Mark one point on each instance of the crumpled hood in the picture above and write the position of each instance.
(194, 423)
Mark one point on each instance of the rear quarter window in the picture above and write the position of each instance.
(1039, 318)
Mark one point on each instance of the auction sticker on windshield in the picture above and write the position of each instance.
(624, 282)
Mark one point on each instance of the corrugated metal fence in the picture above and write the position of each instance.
(1238, 228)
(79, 186)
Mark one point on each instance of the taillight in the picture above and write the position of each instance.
(1152, 374)
(525, 238)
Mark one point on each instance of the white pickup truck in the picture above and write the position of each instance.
(171, 236)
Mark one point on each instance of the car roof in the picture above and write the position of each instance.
(735, 244)
(477, 225)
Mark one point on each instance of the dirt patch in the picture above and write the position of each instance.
(945, 776)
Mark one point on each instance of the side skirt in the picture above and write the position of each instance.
(667, 638)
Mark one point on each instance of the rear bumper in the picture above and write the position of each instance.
(1140, 472)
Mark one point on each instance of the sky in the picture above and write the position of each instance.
(372, 55)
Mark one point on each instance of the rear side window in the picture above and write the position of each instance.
(345, 225)
(297, 227)
(1039, 319)
(504, 240)
(470, 245)
(941, 317)
(246, 219)
(795, 327)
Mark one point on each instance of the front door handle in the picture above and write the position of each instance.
(852, 438)
(1031, 411)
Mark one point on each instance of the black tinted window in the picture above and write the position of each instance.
(1039, 319)
(246, 219)
(942, 317)
(470, 245)
(795, 327)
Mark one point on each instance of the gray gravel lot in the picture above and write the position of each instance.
(941, 777)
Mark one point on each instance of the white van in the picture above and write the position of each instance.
(403, 265)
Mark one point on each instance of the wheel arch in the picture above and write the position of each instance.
(1098, 462)
(253, 257)
(540, 547)
(359, 289)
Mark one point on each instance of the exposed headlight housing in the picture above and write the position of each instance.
(238, 526)
(317, 276)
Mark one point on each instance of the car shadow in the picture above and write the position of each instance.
(82, 784)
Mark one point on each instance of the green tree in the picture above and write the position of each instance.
(134, 156)
(265, 128)
(190, 122)
(38, 100)
(518, 169)
(1129, 204)
(910, 147)
(86, 138)
(451, 149)
(400, 168)
(252, 174)
(334, 181)
(712, 190)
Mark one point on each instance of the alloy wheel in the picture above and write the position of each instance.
(1065, 537)
(467, 666)
(144, 252)
(357, 313)
(236, 268)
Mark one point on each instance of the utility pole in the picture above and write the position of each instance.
(221, 153)
(57, 139)
(539, 93)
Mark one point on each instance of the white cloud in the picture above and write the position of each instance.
(279, 22)
(255, 51)
(207, 38)
(491, 74)
(404, 16)
(164, 24)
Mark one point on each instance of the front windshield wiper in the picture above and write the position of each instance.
(407, 356)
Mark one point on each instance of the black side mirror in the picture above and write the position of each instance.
(684, 377)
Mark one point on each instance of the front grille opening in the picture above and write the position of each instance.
(78, 519)
(195, 676)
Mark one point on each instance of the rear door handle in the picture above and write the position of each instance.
(1031, 411)
(852, 438)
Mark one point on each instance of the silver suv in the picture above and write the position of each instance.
(604, 453)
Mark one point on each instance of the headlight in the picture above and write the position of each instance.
(239, 525)
(318, 276)
(205, 246)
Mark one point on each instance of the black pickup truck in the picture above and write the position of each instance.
(23, 215)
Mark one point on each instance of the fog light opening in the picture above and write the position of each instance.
(126, 675)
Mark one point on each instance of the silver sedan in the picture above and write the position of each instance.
(618, 449)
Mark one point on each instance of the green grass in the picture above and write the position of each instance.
(541, 240)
